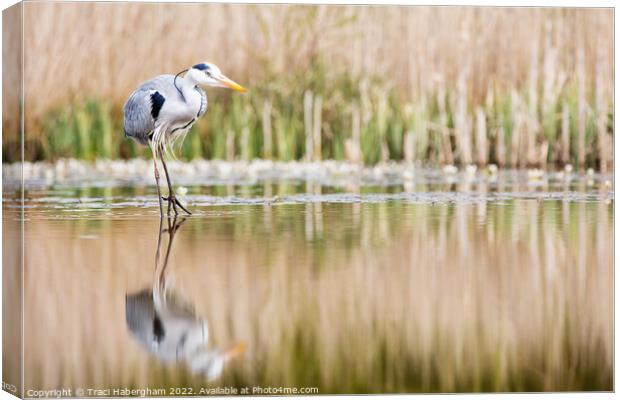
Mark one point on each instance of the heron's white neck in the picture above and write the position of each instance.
(187, 86)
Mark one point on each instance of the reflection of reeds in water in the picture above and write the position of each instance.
(391, 298)
(444, 62)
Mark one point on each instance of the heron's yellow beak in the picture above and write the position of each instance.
(231, 84)
(237, 349)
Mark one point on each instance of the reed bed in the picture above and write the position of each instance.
(394, 298)
(436, 85)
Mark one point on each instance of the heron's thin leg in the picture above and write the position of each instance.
(171, 196)
(161, 207)
(160, 151)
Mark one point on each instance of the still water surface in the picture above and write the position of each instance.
(351, 290)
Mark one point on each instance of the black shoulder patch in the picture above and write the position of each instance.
(201, 66)
(157, 101)
(158, 329)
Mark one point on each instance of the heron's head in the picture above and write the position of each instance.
(209, 74)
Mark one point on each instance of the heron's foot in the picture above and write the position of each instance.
(174, 201)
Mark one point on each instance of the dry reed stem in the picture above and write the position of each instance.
(481, 137)
(317, 128)
(462, 130)
(245, 143)
(353, 148)
(500, 146)
(517, 130)
(581, 108)
(600, 105)
(230, 145)
(409, 147)
(267, 134)
(604, 149)
(308, 99)
(565, 135)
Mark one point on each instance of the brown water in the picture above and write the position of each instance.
(374, 289)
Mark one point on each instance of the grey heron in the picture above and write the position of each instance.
(162, 110)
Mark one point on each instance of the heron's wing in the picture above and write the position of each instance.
(144, 105)
(141, 111)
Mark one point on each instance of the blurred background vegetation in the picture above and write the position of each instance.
(517, 87)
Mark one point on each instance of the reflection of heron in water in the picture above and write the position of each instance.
(167, 326)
